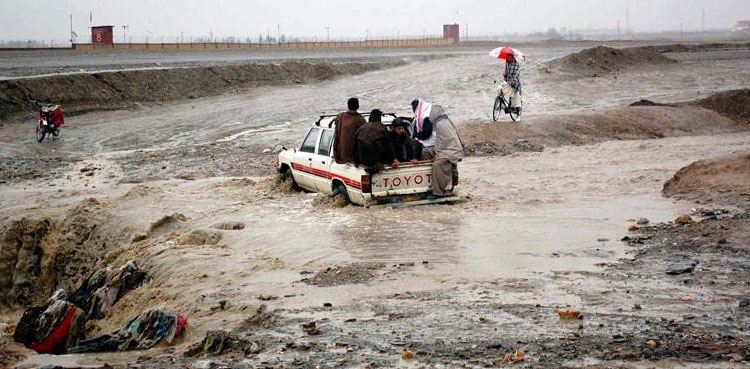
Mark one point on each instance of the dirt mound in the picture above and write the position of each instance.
(726, 177)
(602, 59)
(644, 102)
(733, 104)
(141, 191)
(636, 122)
(117, 90)
(687, 48)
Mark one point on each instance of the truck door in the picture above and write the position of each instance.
(321, 163)
(303, 159)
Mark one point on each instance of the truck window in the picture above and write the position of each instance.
(324, 148)
(309, 144)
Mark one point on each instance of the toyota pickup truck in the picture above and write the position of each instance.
(312, 168)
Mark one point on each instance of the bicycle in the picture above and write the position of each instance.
(502, 105)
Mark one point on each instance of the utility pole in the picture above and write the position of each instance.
(278, 33)
(328, 33)
(211, 35)
(703, 17)
(182, 37)
(467, 31)
(681, 34)
(124, 33)
(72, 38)
(627, 20)
(618, 29)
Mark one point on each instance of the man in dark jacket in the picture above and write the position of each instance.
(372, 145)
(347, 124)
(401, 143)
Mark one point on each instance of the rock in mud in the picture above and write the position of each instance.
(643, 221)
(222, 342)
(568, 313)
(408, 354)
(311, 328)
(230, 226)
(682, 267)
(683, 219)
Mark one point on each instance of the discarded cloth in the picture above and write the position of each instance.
(142, 332)
(100, 291)
(53, 327)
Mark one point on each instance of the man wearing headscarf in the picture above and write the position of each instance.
(423, 129)
(449, 150)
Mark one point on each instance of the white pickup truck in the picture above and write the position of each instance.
(313, 168)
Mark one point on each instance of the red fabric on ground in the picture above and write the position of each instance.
(58, 335)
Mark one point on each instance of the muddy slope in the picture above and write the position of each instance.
(723, 177)
(734, 104)
(38, 256)
(635, 122)
(603, 60)
(114, 90)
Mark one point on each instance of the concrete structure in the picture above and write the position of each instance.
(102, 35)
(452, 32)
(285, 45)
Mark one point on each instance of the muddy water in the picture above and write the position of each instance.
(529, 212)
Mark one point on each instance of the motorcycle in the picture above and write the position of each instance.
(49, 120)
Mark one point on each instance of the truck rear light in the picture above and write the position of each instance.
(366, 184)
(455, 179)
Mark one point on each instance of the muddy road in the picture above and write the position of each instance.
(460, 285)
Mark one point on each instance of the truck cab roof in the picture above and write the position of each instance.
(329, 121)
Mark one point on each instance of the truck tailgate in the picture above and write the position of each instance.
(406, 180)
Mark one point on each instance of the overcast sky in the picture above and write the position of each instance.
(49, 19)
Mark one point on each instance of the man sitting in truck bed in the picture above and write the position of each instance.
(372, 145)
(401, 143)
(347, 124)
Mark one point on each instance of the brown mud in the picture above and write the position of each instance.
(717, 179)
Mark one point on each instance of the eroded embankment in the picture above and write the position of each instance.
(723, 115)
(121, 89)
(716, 179)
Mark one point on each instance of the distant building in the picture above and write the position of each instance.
(742, 26)
(102, 35)
(451, 31)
